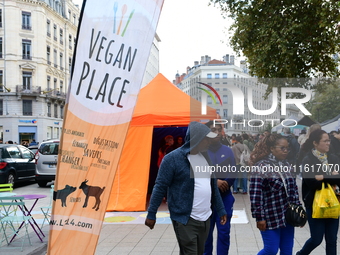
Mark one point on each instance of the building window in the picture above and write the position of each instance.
(209, 100)
(55, 111)
(1, 107)
(49, 110)
(26, 20)
(48, 83)
(61, 111)
(26, 80)
(1, 81)
(69, 14)
(70, 42)
(69, 64)
(55, 83)
(74, 19)
(48, 54)
(225, 112)
(61, 36)
(61, 61)
(26, 49)
(48, 27)
(55, 32)
(0, 47)
(217, 75)
(225, 99)
(0, 17)
(209, 76)
(27, 107)
(225, 75)
(55, 59)
(61, 86)
(218, 111)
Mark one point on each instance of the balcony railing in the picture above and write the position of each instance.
(27, 113)
(55, 93)
(32, 90)
(48, 34)
(27, 56)
(26, 27)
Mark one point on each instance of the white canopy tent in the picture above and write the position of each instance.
(332, 124)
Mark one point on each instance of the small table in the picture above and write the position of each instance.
(27, 212)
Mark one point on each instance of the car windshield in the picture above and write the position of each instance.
(49, 148)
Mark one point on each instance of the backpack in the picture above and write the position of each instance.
(244, 158)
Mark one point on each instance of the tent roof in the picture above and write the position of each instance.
(306, 121)
(162, 103)
(330, 120)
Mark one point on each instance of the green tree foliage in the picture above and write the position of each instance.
(286, 38)
(325, 105)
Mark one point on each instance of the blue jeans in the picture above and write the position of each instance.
(223, 231)
(318, 229)
(242, 180)
(275, 239)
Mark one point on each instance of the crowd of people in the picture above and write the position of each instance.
(199, 201)
(23, 143)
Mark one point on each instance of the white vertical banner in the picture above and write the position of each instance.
(113, 46)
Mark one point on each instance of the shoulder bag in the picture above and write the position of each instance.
(295, 214)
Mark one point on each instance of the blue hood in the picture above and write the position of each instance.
(195, 134)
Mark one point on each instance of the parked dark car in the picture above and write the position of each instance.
(16, 163)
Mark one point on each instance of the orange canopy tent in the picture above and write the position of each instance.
(160, 103)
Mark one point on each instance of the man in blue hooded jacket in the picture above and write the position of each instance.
(191, 192)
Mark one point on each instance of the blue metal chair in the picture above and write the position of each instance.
(13, 222)
(46, 210)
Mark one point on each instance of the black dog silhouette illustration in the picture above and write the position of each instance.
(63, 193)
(91, 191)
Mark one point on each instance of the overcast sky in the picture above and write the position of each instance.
(189, 29)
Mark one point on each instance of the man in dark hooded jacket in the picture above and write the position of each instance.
(191, 192)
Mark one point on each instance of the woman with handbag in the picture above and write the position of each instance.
(317, 168)
(272, 188)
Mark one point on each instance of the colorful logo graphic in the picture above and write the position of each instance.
(204, 97)
(124, 9)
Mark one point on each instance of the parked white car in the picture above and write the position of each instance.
(46, 159)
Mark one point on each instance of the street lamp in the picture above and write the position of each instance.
(49, 91)
(7, 89)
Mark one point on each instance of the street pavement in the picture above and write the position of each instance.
(137, 239)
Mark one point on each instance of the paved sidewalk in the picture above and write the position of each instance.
(129, 239)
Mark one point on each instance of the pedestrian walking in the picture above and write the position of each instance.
(268, 195)
(221, 155)
(317, 146)
(191, 191)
